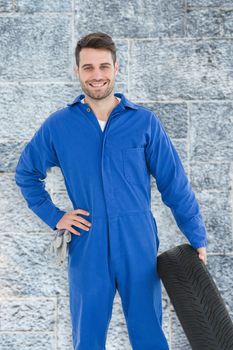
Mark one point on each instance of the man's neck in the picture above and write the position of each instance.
(102, 108)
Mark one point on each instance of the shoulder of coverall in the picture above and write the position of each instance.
(124, 101)
(61, 113)
(151, 118)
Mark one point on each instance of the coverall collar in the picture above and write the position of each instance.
(124, 101)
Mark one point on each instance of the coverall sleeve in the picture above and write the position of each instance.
(36, 158)
(172, 182)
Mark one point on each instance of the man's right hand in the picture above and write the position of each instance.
(71, 218)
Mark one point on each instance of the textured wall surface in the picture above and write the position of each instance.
(176, 57)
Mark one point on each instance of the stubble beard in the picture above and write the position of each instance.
(98, 95)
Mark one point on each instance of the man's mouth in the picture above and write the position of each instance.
(97, 85)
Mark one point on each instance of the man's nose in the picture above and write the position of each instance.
(98, 75)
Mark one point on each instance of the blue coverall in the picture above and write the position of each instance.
(108, 174)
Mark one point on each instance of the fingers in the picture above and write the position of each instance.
(82, 221)
(202, 257)
(78, 223)
(71, 229)
(79, 220)
(202, 254)
(81, 211)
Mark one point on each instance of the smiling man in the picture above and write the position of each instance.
(97, 79)
(107, 147)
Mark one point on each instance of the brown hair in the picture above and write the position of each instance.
(97, 40)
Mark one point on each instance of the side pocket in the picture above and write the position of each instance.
(76, 239)
(156, 233)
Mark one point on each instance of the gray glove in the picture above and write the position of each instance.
(59, 244)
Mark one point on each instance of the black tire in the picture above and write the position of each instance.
(196, 299)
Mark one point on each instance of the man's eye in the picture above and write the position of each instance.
(88, 68)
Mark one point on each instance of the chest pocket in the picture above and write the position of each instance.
(134, 164)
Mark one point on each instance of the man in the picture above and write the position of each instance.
(107, 147)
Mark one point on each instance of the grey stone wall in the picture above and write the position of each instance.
(176, 58)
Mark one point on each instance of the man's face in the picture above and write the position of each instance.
(96, 72)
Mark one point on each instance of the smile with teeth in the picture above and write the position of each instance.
(97, 84)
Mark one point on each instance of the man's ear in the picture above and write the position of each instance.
(116, 67)
(76, 70)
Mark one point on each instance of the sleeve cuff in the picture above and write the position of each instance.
(199, 244)
(48, 213)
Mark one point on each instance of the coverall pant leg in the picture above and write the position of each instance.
(92, 285)
(116, 253)
(139, 285)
